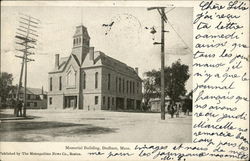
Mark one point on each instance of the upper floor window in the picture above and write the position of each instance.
(127, 86)
(108, 81)
(116, 83)
(60, 83)
(133, 87)
(71, 77)
(84, 81)
(123, 85)
(50, 84)
(96, 80)
(130, 87)
(119, 84)
(137, 87)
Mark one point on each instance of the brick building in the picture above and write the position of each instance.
(91, 80)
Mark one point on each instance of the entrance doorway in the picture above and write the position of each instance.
(70, 102)
(119, 103)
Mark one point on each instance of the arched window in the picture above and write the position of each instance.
(71, 77)
(84, 81)
(119, 84)
(116, 84)
(123, 85)
(79, 40)
(130, 87)
(133, 87)
(127, 86)
(108, 81)
(96, 80)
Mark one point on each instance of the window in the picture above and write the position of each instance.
(35, 104)
(28, 104)
(113, 101)
(103, 99)
(96, 100)
(50, 84)
(96, 80)
(60, 83)
(119, 84)
(71, 77)
(108, 81)
(133, 87)
(130, 87)
(50, 100)
(84, 81)
(123, 85)
(127, 86)
(74, 42)
(79, 40)
(137, 87)
(116, 83)
(28, 96)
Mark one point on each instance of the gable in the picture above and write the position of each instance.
(90, 63)
(72, 61)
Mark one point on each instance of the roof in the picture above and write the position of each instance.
(63, 61)
(35, 91)
(81, 30)
(105, 60)
(118, 65)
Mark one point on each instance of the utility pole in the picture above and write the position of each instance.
(26, 39)
(161, 11)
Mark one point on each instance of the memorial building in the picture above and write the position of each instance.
(91, 80)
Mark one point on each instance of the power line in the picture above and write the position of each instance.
(180, 36)
(167, 20)
(169, 10)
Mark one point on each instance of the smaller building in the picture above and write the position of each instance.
(155, 104)
(36, 97)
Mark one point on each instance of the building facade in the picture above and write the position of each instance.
(36, 97)
(91, 80)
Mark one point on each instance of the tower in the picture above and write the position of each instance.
(81, 43)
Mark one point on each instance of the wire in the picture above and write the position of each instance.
(169, 10)
(180, 36)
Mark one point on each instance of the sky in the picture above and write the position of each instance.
(128, 40)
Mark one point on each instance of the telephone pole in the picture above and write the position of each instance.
(161, 11)
(26, 39)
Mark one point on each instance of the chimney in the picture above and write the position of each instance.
(42, 90)
(91, 53)
(136, 70)
(57, 61)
